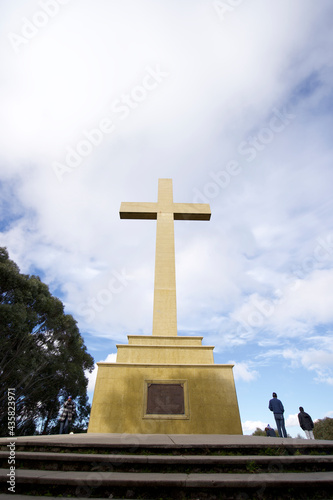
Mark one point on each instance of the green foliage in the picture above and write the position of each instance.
(259, 432)
(272, 451)
(252, 467)
(43, 354)
(323, 429)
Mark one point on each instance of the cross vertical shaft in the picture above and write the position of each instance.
(165, 211)
(165, 305)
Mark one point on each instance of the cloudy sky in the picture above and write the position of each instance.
(233, 101)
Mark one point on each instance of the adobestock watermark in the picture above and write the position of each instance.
(93, 479)
(120, 110)
(223, 8)
(219, 180)
(322, 252)
(11, 411)
(249, 148)
(262, 309)
(87, 487)
(31, 27)
(74, 156)
(117, 284)
(257, 143)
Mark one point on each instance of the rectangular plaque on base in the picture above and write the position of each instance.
(166, 399)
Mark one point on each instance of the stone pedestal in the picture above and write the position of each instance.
(165, 385)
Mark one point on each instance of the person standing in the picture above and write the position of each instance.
(68, 412)
(305, 421)
(277, 408)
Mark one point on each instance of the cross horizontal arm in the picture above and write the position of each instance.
(129, 210)
(191, 211)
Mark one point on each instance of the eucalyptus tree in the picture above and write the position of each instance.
(43, 355)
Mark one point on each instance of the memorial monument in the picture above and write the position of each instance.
(164, 383)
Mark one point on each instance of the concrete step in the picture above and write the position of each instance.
(119, 462)
(168, 467)
(175, 480)
(161, 444)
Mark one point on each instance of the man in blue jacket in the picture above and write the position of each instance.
(276, 407)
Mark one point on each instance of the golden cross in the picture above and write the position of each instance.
(165, 211)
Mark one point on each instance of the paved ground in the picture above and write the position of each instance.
(146, 439)
(159, 440)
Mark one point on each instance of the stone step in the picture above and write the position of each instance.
(277, 447)
(168, 467)
(176, 480)
(174, 442)
(92, 461)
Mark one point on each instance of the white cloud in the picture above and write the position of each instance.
(242, 371)
(249, 426)
(311, 300)
(111, 358)
(292, 420)
(292, 310)
(319, 361)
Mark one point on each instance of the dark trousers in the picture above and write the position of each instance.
(64, 427)
(279, 419)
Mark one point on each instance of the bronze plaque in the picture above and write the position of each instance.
(165, 399)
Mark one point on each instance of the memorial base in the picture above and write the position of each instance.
(165, 398)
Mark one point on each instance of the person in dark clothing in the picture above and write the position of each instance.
(270, 432)
(305, 421)
(68, 412)
(277, 408)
